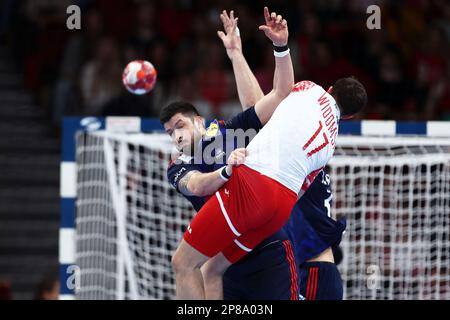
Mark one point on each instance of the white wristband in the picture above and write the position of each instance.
(237, 32)
(281, 54)
(222, 175)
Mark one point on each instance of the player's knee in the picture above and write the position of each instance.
(210, 272)
(181, 264)
(215, 268)
(178, 264)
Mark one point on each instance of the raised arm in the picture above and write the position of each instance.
(276, 30)
(248, 88)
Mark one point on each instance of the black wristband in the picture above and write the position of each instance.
(280, 49)
(224, 173)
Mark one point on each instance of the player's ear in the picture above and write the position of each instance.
(199, 122)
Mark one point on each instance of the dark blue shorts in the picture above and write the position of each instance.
(267, 273)
(320, 281)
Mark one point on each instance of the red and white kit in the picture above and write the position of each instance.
(256, 202)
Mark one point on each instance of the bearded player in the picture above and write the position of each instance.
(265, 179)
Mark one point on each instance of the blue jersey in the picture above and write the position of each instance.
(245, 120)
(310, 227)
(217, 147)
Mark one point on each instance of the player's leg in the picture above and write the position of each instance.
(320, 281)
(212, 272)
(186, 263)
(207, 235)
(267, 273)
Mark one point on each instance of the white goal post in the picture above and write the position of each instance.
(121, 220)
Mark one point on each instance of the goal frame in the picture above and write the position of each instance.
(68, 168)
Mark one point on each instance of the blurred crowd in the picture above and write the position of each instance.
(404, 65)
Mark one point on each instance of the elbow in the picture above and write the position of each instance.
(282, 93)
(287, 89)
(199, 191)
(251, 101)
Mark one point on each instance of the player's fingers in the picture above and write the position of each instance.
(284, 23)
(237, 160)
(264, 28)
(225, 14)
(232, 15)
(273, 16)
(221, 34)
(222, 18)
(239, 157)
(266, 15)
(279, 18)
(225, 19)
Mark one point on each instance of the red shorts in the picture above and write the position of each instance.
(247, 209)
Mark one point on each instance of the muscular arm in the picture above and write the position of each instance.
(276, 30)
(248, 88)
(199, 184)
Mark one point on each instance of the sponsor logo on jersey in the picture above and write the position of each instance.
(212, 129)
(178, 174)
(184, 158)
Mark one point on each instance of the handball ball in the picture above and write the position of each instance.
(139, 77)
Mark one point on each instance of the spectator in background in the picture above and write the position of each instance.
(392, 89)
(327, 65)
(79, 49)
(429, 62)
(48, 288)
(5, 290)
(310, 30)
(145, 33)
(178, 37)
(213, 80)
(264, 74)
(437, 105)
(101, 77)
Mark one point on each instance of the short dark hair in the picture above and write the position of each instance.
(172, 109)
(350, 95)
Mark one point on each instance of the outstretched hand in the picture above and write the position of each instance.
(230, 38)
(275, 28)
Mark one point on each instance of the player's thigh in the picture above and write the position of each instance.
(242, 245)
(209, 232)
(266, 274)
(187, 257)
(217, 265)
(320, 281)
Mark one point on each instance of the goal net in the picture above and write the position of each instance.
(394, 191)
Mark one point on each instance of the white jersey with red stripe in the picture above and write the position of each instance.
(299, 138)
